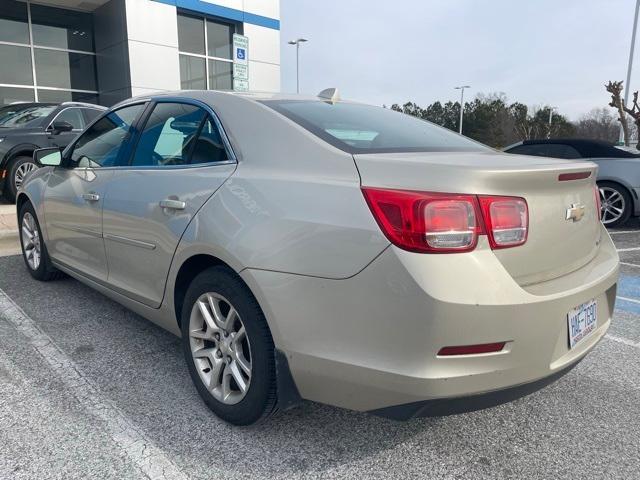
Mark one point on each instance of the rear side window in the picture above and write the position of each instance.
(553, 150)
(179, 134)
(357, 128)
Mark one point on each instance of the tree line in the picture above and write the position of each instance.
(493, 120)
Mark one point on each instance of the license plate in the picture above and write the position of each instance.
(582, 322)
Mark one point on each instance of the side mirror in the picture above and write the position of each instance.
(61, 126)
(48, 157)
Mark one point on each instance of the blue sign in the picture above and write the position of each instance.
(241, 53)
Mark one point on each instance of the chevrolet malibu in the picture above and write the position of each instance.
(313, 248)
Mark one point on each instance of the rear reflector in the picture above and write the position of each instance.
(472, 349)
(564, 177)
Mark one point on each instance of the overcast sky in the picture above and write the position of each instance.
(539, 52)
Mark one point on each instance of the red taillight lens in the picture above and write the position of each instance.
(472, 349)
(426, 222)
(596, 191)
(447, 223)
(506, 220)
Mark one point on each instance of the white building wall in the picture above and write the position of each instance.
(152, 31)
(264, 58)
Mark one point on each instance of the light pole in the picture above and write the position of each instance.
(297, 44)
(551, 109)
(627, 87)
(461, 88)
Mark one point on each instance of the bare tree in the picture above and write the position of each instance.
(615, 89)
(598, 124)
(634, 112)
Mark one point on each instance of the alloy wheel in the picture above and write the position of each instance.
(612, 205)
(22, 171)
(31, 241)
(220, 348)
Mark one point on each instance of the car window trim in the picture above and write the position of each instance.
(84, 120)
(209, 112)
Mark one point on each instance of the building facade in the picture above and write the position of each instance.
(104, 51)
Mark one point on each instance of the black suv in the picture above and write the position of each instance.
(25, 127)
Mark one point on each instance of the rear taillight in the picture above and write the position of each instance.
(447, 223)
(596, 191)
(506, 220)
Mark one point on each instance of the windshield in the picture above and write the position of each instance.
(24, 115)
(357, 128)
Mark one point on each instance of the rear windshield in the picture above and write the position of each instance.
(357, 128)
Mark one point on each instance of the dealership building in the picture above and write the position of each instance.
(104, 51)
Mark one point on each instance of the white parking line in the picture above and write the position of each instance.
(629, 264)
(623, 340)
(627, 299)
(147, 457)
(632, 249)
(619, 232)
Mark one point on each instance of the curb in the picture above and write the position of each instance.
(8, 234)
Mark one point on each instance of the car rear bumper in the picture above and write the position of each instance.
(450, 406)
(371, 341)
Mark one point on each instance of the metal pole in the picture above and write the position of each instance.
(550, 120)
(627, 87)
(462, 107)
(298, 66)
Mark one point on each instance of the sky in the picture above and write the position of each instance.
(538, 52)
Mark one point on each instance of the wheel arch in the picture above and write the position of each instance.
(21, 150)
(189, 269)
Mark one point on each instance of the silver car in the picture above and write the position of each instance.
(312, 248)
(618, 171)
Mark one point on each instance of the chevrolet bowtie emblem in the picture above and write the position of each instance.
(575, 212)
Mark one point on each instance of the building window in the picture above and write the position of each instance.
(48, 54)
(205, 48)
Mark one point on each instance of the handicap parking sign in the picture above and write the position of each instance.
(241, 53)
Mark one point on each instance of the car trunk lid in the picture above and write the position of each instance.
(558, 242)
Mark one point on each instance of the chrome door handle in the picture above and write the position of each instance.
(91, 197)
(173, 204)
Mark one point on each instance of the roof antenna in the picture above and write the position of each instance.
(330, 94)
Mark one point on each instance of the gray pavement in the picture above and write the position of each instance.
(90, 390)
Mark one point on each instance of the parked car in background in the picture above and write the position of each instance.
(25, 127)
(618, 171)
(306, 247)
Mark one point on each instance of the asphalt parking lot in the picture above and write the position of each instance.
(90, 390)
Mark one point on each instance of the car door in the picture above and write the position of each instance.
(71, 115)
(181, 158)
(74, 196)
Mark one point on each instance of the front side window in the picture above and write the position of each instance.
(73, 116)
(102, 143)
(357, 128)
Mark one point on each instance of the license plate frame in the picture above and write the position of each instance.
(582, 321)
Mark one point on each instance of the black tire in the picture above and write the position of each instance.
(11, 190)
(260, 400)
(628, 203)
(45, 271)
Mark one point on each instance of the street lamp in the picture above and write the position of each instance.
(551, 109)
(627, 87)
(461, 88)
(297, 44)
